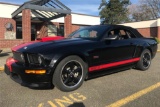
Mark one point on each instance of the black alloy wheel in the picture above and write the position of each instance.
(145, 60)
(70, 73)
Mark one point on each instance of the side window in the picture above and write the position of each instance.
(86, 34)
(130, 34)
(118, 32)
(125, 34)
(121, 33)
(111, 33)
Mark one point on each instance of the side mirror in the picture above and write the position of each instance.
(113, 37)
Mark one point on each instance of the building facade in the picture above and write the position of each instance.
(149, 28)
(26, 27)
(32, 20)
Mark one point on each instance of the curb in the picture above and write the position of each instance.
(1, 69)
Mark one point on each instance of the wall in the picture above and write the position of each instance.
(3, 22)
(7, 9)
(146, 28)
(10, 43)
(75, 27)
(81, 19)
(6, 42)
(148, 32)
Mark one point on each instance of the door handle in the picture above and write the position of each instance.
(131, 43)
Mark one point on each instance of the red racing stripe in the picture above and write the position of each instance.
(15, 48)
(114, 64)
(44, 39)
(56, 38)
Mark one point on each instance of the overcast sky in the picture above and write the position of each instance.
(77, 6)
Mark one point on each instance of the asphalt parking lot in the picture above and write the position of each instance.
(130, 88)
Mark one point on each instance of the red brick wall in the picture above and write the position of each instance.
(149, 32)
(158, 32)
(67, 25)
(75, 27)
(9, 43)
(26, 30)
(3, 22)
(26, 25)
(5, 43)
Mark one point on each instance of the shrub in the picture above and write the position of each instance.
(158, 41)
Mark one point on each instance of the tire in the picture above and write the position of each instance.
(69, 73)
(145, 60)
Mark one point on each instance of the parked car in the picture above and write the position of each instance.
(67, 62)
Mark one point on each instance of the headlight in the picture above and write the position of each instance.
(22, 57)
(19, 57)
(34, 59)
(39, 60)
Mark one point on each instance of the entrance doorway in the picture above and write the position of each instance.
(33, 33)
(19, 32)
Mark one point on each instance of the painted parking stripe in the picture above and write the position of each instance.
(134, 96)
(1, 68)
(65, 101)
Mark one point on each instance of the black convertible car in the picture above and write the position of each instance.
(67, 62)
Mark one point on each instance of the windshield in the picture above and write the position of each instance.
(91, 32)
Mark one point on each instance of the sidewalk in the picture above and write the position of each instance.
(3, 56)
(158, 50)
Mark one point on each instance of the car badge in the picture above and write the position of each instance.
(95, 57)
(25, 47)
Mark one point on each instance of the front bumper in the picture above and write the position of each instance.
(30, 80)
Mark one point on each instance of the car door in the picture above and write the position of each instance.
(120, 49)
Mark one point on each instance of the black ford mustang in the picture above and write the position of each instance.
(66, 62)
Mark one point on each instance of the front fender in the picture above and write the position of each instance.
(60, 56)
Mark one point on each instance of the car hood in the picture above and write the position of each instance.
(39, 46)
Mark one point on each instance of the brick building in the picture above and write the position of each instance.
(38, 18)
(149, 28)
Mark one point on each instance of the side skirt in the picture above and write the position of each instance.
(110, 71)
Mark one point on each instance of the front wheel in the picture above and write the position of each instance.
(145, 60)
(70, 73)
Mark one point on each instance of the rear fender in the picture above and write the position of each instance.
(147, 46)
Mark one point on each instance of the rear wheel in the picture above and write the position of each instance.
(145, 60)
(70, 73)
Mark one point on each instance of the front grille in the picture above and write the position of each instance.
(34, 59)
(18, 56)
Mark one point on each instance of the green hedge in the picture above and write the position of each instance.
(157, 40)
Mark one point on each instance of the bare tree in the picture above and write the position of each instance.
(146, 10)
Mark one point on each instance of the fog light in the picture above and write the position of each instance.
(35, 71)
